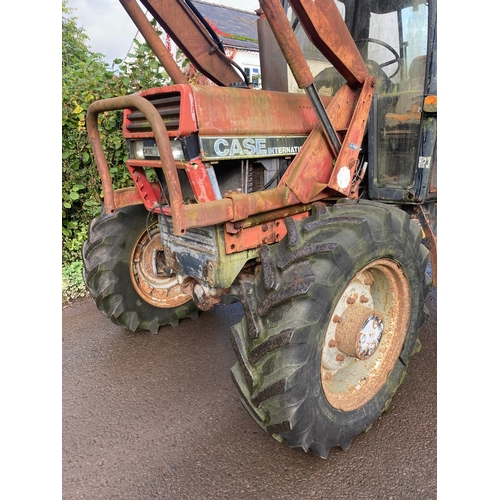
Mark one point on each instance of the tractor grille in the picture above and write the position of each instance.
(169, 107)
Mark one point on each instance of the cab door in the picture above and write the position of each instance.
(402, 143)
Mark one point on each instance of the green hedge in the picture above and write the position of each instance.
(85, 79)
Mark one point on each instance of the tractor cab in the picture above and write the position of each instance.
(397, 40)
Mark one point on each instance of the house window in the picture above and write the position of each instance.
(253, 74)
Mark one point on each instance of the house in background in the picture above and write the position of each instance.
(237, 30)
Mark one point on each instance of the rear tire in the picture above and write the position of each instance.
(299, 373)
(122, 272)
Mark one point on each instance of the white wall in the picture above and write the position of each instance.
(249, 59)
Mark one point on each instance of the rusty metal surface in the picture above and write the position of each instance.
(186, 30)
(244, 112)
(311, 170)
(183, 107)
(433, 181)
(165, 150)
(255, 220)
(199, 180)
(345, 167)
(125, 197)
(149, 192)
(305, 181)
(235, 207)
(254, 235)
(327, 30)
(157, 417)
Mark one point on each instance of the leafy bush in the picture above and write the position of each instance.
(73, 285)
(85, 79)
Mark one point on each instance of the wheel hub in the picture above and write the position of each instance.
(365, 335)
(153, 280)
(359, 331)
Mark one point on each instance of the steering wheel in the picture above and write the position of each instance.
(397, 58)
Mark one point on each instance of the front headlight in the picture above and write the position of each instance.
(137, 150)
(148, 150)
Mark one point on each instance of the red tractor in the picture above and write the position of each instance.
(316, 209)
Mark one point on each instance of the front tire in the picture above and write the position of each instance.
(330, 324)
(124, 274)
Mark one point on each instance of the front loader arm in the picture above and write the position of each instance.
(325, 27)
(187, 31)
(323, 24)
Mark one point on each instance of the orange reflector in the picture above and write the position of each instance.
(430, 104)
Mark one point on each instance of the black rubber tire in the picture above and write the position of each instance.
(106, 271)
(287, 309)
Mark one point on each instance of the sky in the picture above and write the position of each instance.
(111, 30)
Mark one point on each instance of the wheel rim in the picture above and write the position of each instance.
(365, 335)
(150, 276)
